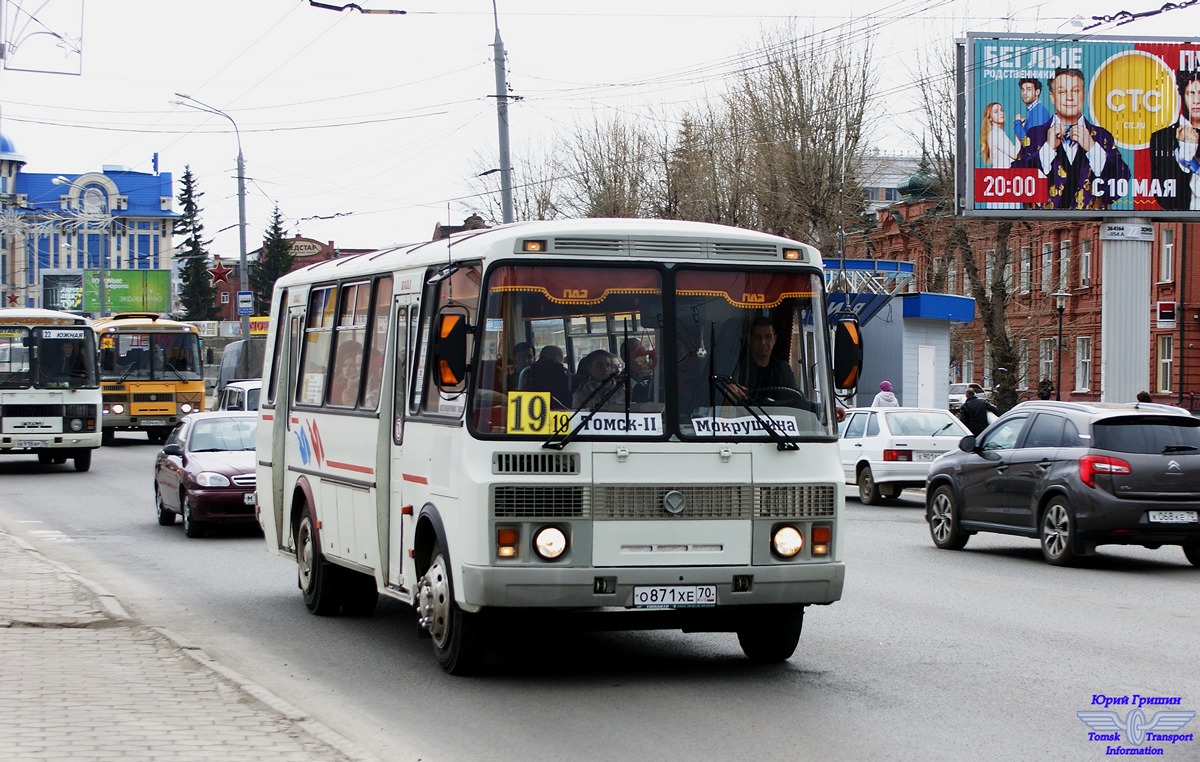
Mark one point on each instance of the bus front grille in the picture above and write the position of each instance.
(33, 411)
(535, 463)
(705, 501)
(511, 501)
(804, 501)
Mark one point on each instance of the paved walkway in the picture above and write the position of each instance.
(81, 680)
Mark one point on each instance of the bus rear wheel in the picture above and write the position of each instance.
(459, 638)
(317, 577)
(770, 634)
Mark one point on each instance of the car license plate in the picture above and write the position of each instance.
(248, 498)
(31, 443)
(927, 456)
(1172, 517)
(674, 596)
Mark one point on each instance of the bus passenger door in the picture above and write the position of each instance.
(283, 378)
(399, 565)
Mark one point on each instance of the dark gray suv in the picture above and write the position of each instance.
(1074, 476)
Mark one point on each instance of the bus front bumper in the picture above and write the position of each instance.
(612, 587)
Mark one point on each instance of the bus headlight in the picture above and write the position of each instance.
(185, 408)
(117, 409)
(75, 425)
(550, 543)
(210, 479)
(787, 541)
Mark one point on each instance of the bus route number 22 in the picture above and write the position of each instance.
(530, 413)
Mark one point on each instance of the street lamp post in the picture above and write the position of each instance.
(243, 269)
(1060, 304)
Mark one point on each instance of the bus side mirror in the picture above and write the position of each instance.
(847, 353)
(450, 349)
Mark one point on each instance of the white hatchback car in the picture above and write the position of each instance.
(240, 395)
(888, 449)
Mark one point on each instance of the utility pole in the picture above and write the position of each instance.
(506, 194)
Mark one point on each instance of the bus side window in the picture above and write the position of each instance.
(315, 351)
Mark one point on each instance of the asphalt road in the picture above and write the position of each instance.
(983, 654)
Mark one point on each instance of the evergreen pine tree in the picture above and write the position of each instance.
(197, 293)
(275, 261)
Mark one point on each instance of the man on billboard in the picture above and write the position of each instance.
(1173, 162)
(1037, 114)
(1080, 160)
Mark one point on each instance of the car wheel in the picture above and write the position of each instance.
(83, 460)
(166, 517)
(359, 594)
(943, 520)
(1057, 533)
(1192, 551)
(770, 635)
(868, 490)
(459, 638)
(191, 527)
(317, 577)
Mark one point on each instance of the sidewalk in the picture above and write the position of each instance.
(81, 680)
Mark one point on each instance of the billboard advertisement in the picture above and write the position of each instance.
(129, 291)
(1061, 128)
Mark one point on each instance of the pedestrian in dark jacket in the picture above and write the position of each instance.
(974, 412)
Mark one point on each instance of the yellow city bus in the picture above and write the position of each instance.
(150, 373)
(49, 395)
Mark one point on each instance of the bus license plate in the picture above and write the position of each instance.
(1173, 517)
(152, 422)
(248, 498)
(674, 596)
(31, 443)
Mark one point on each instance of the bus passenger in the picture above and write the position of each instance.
(549, 374)
(343, 390)
(597, 370)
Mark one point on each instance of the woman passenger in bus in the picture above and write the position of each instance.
(343, 390)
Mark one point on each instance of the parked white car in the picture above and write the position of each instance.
(958, 394)
(888, 449)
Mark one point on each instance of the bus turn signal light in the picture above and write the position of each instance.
(506, 542)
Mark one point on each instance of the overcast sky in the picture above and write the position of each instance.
(365, 128)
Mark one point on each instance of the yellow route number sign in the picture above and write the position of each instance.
(530, 413)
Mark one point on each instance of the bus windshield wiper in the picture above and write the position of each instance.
(557, 444)
(724, 384)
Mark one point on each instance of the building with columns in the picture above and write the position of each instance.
(61, 232)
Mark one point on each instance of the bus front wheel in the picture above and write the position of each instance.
(770, 634)
(459, 638)
(83, 460)
(317, 577)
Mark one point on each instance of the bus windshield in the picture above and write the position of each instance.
(150, 357)
(61, 357)
(692, 352)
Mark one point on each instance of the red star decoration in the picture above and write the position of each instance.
(220, 273)
(13, 298)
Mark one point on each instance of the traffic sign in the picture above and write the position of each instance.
(245, 302)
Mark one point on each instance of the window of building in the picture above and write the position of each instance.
(1085, 262)
(1023, 364)
(987, 363)
(1166, 256)
(1045, 358)
(1064, 265)
(1047, 267)
(1026, 269)
(968, 361)
(989, 267)
(1083, 363)
(224, 297)
(1166, 359)
(952, 278)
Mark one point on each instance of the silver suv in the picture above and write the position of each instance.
(1074, 476)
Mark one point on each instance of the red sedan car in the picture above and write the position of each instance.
(205, 471)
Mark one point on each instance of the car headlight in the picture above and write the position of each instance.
(787, 541)
(210, 479)
(550, 543)
(76, 424)
(185, 408)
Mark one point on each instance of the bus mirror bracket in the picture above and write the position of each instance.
(450, 348)
(847, 352)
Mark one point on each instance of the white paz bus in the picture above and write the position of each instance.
(630, 424)
(49, 389)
